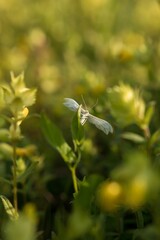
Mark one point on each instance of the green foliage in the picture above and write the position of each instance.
(16, 97)
(133, 137)
(55, 138)
(10, 210)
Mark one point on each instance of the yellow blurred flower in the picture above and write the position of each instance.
(136, 180)
(17, 96)
(21, 166)
(36, 37)
(30, 212)
(126, 105)
(95, 83)
(49, 78)
(109, 195)
(127, 45)
(136, 192)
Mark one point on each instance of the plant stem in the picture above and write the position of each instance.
(139, 219)
(15, 177)
(74, 179)
(14, 145)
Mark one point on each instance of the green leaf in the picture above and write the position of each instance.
(154, 138)
(149, 113)
(10, 210)
(77, 129)
(51, 132)
(55, 139)
(133, 137)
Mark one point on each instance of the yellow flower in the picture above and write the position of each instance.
(30, 212)
(136, 192)
(17, 96)
(126, 105)
(21, 166)
(109, 195)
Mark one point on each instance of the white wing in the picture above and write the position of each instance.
(71, 104)
(100, 124)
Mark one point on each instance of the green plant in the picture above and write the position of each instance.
(16, 98)
(129, 187)
(56, 139)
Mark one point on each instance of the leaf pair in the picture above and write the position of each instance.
(55, 137)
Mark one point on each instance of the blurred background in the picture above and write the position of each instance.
(70, 48)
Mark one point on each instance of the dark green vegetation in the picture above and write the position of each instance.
(58, 179)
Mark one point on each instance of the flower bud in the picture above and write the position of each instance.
(17, 96)
(126, 105)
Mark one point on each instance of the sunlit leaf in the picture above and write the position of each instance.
(133, 137)
(155, 138)
(149, 113)
(29, 97)
(10, 210)
(7, 94)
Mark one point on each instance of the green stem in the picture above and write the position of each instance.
(74, 179)
(74, 167)
(139, 219)
(14, 144)
(15, 201)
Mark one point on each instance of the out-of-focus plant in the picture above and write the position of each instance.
(56, 139)
(16, 98)
(128, 47)
(128, 107)
(23, 228)
(133, 184)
